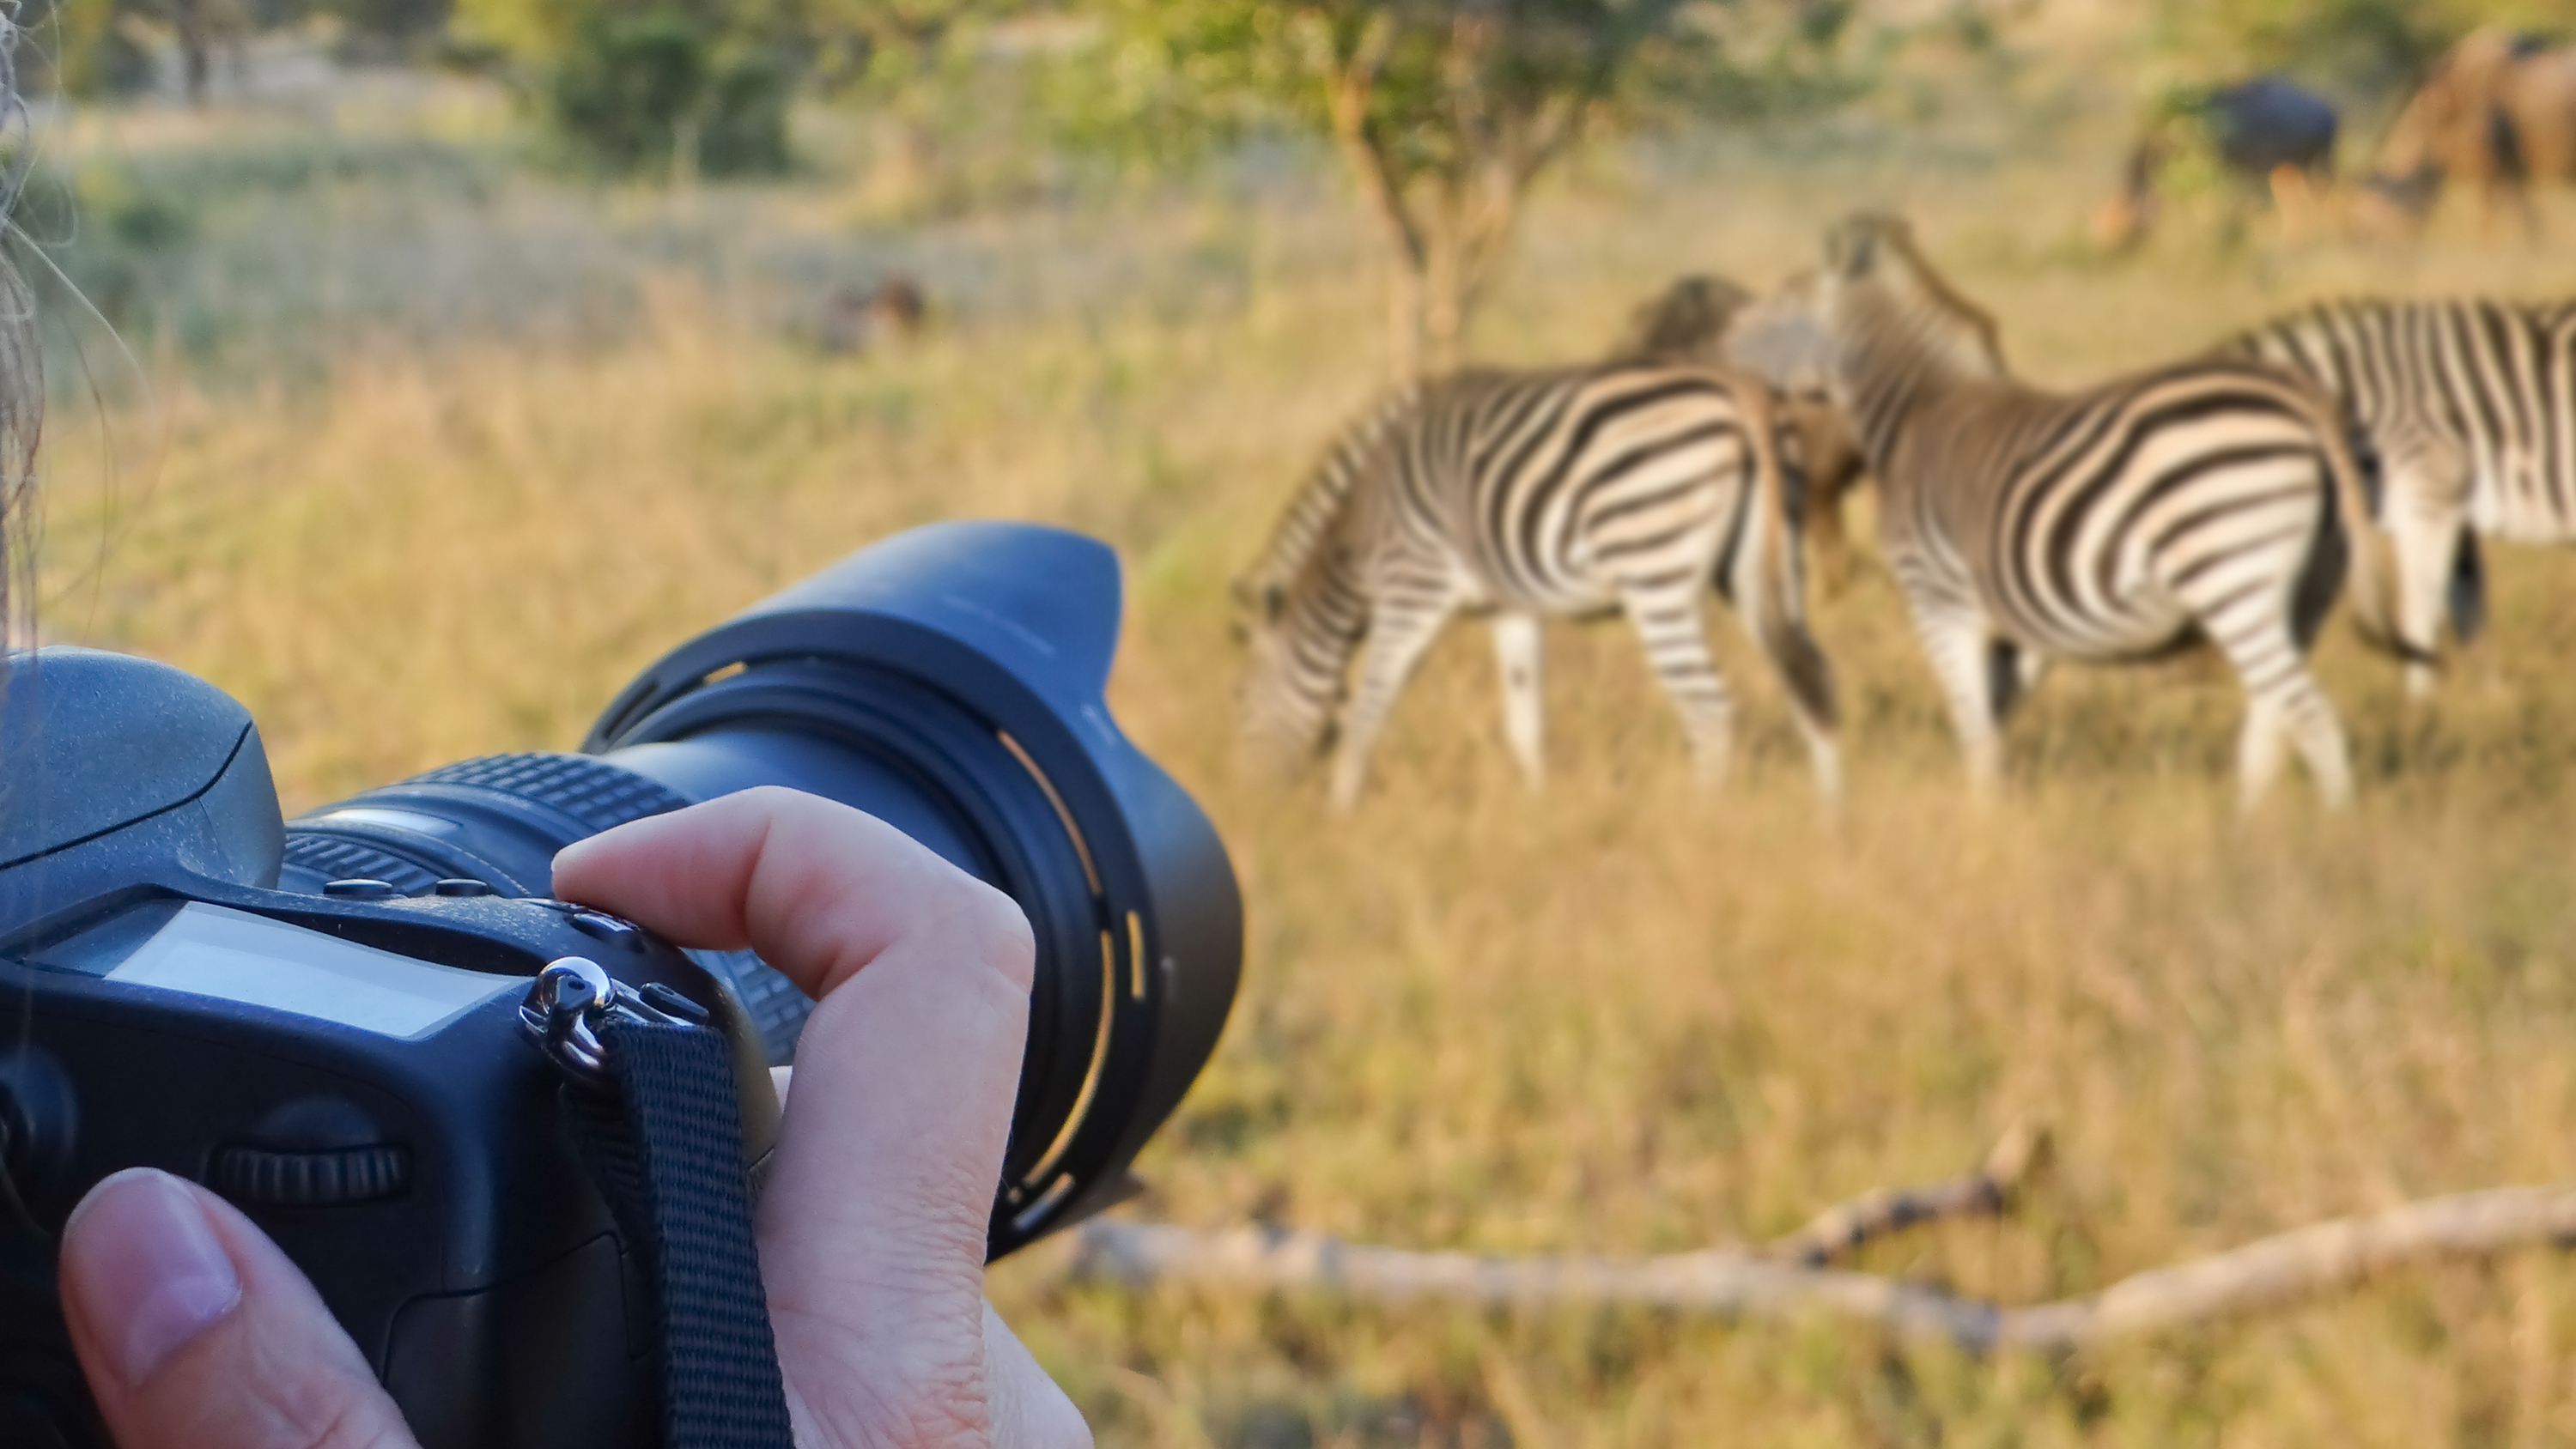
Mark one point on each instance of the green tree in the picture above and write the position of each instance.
(919, 71)
(1443, 111)
(680, 87)
(2370, 51)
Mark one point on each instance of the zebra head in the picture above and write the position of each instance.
(1298, 633)
(1894, 325)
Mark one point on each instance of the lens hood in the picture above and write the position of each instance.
(951, 679)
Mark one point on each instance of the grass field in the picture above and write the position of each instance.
(469, 450)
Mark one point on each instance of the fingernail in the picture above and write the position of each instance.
(572, 852)
(146, 1269)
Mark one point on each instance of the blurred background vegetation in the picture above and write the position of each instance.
(448, 366)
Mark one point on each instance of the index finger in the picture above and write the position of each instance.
(872, 1224)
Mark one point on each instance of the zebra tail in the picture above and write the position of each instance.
(1776, 607)
(2369, 574)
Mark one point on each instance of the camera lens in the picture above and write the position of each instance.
(947, 681)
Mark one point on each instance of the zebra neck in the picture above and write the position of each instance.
(1880, 404)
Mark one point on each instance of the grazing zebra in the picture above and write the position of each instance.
(2203, 500)
(1711, 320)
(1526, 494)
(2471, 407)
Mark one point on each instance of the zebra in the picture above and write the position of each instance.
(2206, 499)
(2471, 407)
(1622, 485)
(1712, 320)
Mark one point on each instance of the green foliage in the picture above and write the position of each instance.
(2374, 51)
(1168, 79)
(661, 89)
(887, 50)
(388, 29)
(83, 51)
(633, 86)
(1443, 111)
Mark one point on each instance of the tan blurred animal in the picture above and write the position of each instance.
(2499, 112)
(855, 320)
(1696, 320)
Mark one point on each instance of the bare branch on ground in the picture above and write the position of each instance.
(1989, 1191)
(2270, 1273)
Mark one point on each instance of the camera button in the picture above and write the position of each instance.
(463, 887)
(608, 928)
(360, 890)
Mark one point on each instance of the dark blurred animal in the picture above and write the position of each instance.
(855, 320)
(2498, 112)
(2268, 133)
(1697, 319)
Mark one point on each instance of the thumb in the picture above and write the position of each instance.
(197, 1333)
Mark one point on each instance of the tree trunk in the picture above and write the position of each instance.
(1444, 306)
(1408, 340)
(1349, 83)
(196, 60)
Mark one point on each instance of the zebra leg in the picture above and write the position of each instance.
(1809, 683)
(1516, 650)
(1668, 622)
(1400, 629)
(1960, 645)
(2284, 704)
(2426, 511)
(2292, 710)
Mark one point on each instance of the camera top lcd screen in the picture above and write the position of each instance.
(236, 956)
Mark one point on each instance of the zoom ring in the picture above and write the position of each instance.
(600, 795)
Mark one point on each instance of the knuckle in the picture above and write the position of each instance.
(992, 926)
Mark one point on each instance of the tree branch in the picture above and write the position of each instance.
(1987, 1192)
(2270, 1273)
(1349, 84)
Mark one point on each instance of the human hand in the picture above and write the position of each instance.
(196, 1331)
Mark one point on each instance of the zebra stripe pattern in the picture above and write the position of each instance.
(1625, 486)
(2199, 501)
(2470, 406)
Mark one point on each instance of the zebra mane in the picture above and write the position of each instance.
(1311, 514)
(1686, 322)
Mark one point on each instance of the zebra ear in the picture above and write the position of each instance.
(1850, 248)
(1257, 604)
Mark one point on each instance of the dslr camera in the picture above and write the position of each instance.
(322, 1020)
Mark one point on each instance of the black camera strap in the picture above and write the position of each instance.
(649, 1095)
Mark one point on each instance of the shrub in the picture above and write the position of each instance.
(638, 92)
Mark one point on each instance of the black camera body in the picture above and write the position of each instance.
(321, 1021)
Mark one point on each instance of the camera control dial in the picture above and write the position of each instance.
(315, 1151)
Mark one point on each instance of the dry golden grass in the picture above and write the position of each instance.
(1616, 1017)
